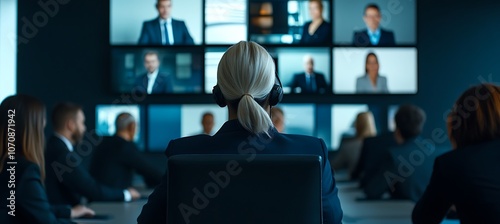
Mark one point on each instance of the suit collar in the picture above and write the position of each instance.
(235, 126)
(65, 141)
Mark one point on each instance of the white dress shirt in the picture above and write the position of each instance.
(151, 81)
(126, 194)
(66, 141)
(169, 30)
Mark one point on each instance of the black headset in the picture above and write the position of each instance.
(275, 96)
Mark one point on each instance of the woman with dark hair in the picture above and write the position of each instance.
(21, 155)
(317, 31)
(372, 81)
(469, 176)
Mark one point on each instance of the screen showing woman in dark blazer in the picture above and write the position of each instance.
(316, 31)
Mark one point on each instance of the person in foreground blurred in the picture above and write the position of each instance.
(117, 157)
(407, 167)
(67, 180)
(371, 81)
(317, 31)
(247, 84)
(350, 148)
(468, 176)
(278, 118)
(21, 127)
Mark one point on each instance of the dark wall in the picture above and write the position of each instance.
(69, 57)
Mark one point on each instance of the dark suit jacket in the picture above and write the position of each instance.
(226, 141)
(115, 160)
(468, 178)
(32, 205)
(163, 84)
(322, 35)
(75, 181)
(405, 171)
(372, 155)
(362, 39)
(151, 33)
(299, 80)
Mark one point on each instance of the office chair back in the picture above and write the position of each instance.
(244, 189)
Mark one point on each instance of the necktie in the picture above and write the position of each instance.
(167, 41)
(312, 83)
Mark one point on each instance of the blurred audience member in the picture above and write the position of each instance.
(407, 167)
(21, 133)
(467, 177)
(117, 157)
(67, 180)
(350, 148)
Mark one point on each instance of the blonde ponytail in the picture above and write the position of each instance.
(247, 72)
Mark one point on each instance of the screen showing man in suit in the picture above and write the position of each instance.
(154, 81)
(207, 123)
(373, 35)
(165, 30)
(308, 81)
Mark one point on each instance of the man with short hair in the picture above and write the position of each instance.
(309, 81)
(154, 81)
(67, 181)
(164, 30)
(117, 157)
(407, 168)
(373, 35)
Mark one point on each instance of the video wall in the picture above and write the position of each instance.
(157, 124)
(333, 47)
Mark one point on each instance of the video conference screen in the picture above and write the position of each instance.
(298, 119)
(168, 122)
(106, 117)
(157, 71)
(375, 70)
(320, 47)
(382, 23)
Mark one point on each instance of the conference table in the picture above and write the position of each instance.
(356, 210)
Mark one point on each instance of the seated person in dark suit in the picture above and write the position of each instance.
(153, 82)
(117, 157)
(164, 30)
(317, 31)
(372, 155)
(249, 107)
(468, 176)
(309, 81)
(26, 197)
(406, 169)
(67, 180)
(373, 35)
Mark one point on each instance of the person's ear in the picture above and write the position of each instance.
(71, 125)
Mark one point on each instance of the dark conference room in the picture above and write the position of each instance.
(249, 111)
